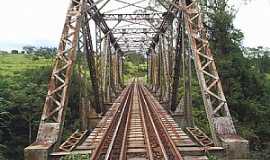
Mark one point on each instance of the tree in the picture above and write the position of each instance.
(224, 36)
(29, 49)
(260, 58)
(14, 52)
(242, 73)
(46, 51)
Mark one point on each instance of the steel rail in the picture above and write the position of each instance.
(123, 146)
(149, 125)
(158, 143)
(149, 148)
(148, 114)
(112, 128)
(123, 153)
(117, 133)
(169, 146)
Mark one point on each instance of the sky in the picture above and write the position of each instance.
(254, 21)
(40, 22)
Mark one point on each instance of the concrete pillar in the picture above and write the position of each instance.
(236, 147)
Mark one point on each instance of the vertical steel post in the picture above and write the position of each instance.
(177, 66)
(88, 48)
(187, 87)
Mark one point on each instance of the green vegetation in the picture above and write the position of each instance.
(13, 64)
(245, 74)
(210, 157)
(245, 78)
(135, 66)
(267, 76)
(23, 87)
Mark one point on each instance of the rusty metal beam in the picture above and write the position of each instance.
(167, 21)
(88, 48)
(134, 31)
(177, 66)
(99, 20)
(215, 103)
(53, 116)
(132, 17)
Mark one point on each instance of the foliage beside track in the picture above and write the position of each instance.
(135, 66)
(245, 74)
(23, 87)
(13, 64)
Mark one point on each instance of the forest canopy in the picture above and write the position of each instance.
(245, 74)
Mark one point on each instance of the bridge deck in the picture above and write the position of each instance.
(137, 132)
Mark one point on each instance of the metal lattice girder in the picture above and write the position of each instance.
(133, 41)
(132, 17)
(101, 23)
(167, 21)
(214, 100)
(136, 38)
(154, 59)
(134, 44)
(73, 141)
(200, 137)
(165, 68)
(52, 120)
(127, 49)
(130, 40)
(177, 66)
(133, 31)
(137, 48)
(90, 58)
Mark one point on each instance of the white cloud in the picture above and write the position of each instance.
(27, 21)
(253, 20)
(41, 21)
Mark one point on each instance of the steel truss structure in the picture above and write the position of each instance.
(171, 40)
(133, 17)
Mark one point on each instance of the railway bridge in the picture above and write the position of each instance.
(137, 119)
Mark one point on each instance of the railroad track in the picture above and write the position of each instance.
(169, 150)
(105, 148)
(136, 131)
